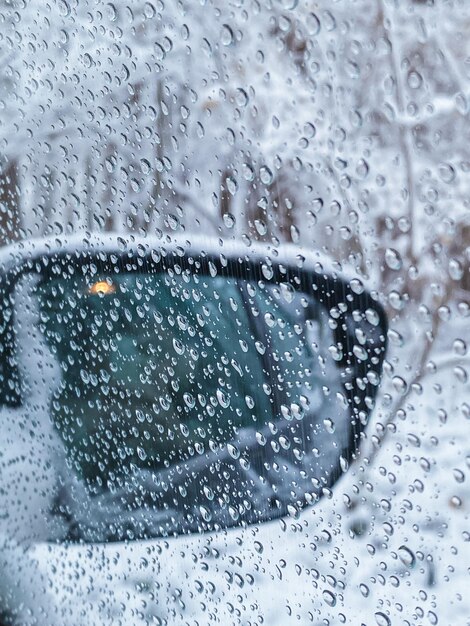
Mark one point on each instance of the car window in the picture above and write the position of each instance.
(234, 312)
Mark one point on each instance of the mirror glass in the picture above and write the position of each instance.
(184, 402)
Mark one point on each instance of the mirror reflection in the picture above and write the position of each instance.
(184, 402)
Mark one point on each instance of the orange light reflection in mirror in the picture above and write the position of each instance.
(101, 288)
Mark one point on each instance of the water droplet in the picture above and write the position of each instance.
(189, 400)
(345, 233)
(360, 353)
(364, 590)
(336, 352)
(357, 286)
(208, 492)
(415, 80)
(406, 556)
(261, 227)
(232, 185)
(372, 317)
(313, 24)
(329, 21)
(461, 103)
(425, 464)
(329, 597)
(233, 451)
(396, 301)
(461, 374)
(226, 35)
(362, 168)
(309, 130)
(149, 10)
(400, 384)
(456, 270)
(446, 173)
(135, 185)
(455, 502)
(270, 319)
(294, 234)
(393, 259)
(261, 439)
(266, 175)
(229, 220)
(64, 8)
(317, 205)
(329, 425)
(248, 172)
(241, 97)
(111, 12)
(206, 514)
(289, 5)
(145, 166)
(432, 617)
(460, 347)
(404, 224)
(260, 347)
(243, 345)
(178, 346)
(395, 338)
(414, 440)
(287, 292)
(223, 398)
(141, 453)
(250, 403)
(267, 271)
(382, 619)
(267, 389)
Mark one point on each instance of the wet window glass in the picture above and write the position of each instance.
(234, 312)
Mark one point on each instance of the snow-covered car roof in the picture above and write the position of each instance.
(197, 245)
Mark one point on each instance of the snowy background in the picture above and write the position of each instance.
(340, 126)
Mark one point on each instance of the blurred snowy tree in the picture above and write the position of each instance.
(340, 125)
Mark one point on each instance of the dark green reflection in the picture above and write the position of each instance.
(155, 369)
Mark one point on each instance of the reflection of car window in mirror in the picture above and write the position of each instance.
(159, 372)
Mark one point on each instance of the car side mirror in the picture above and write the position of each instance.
(185, 388)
